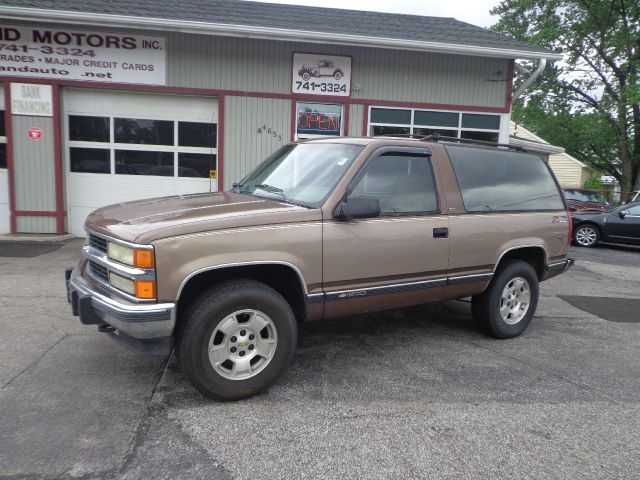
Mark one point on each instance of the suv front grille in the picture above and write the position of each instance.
(99, 271)
(98, 243)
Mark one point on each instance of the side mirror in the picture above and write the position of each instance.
(622, 214)
(358, 207)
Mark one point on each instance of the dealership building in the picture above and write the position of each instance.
(105, 102)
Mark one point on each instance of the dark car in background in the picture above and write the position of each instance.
(618, 225)
(583, 200)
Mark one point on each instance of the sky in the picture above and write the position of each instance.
(475, 12)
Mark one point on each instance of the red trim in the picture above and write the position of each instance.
(509, 98)
(57, 160)
(35, 213)
(240, 93)
(365, 120)
(220, 158)
(8, 126)
(294, 120)
(345, 121)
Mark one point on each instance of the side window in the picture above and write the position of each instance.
(403, 183)
(500, 180)
(635, 211)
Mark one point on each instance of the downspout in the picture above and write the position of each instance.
(527, 83)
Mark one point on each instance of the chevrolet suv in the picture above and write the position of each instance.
(322, 229)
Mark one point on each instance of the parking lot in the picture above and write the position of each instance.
(416, 393)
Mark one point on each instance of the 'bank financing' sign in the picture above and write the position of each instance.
(80, 55)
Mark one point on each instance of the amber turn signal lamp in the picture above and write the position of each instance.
(143, 259)
(145, 289)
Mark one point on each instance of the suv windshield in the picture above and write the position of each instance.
(302, 174)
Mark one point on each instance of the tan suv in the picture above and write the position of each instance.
(322, 229)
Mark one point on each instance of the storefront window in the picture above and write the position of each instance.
(318, 120)
(404, 122)
(132, 146)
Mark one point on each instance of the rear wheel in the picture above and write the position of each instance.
(586, 235)
(505, 308)
(237, 339)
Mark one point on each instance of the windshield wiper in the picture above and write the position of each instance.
(272, 189)
(237, 188)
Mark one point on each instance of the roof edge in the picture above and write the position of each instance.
(245, 31)
(535, 146)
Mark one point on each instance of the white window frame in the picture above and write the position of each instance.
(459, 129)
(3, 138)
(310, 136)
(112, 146)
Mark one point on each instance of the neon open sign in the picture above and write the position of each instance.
(319, 123)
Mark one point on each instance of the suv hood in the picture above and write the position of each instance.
(144, 221)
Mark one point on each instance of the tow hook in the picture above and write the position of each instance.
(104, 328)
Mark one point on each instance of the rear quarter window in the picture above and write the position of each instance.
(502, 180)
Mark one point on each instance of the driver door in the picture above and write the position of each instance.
(398, 258)
(627, 229)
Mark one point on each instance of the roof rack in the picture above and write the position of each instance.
(437, 138)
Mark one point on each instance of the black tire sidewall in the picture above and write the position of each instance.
(205, 317)
(495, 323)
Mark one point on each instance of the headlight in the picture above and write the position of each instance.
(122, 283)
(134, 257)
(120, 253)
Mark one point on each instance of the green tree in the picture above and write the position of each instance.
(590, 102)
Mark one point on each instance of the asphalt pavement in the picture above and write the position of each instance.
(414, 393)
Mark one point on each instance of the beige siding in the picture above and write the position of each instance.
(33, 171)
(244, 146)
(35, 225)
(390, 75)
(356, 119)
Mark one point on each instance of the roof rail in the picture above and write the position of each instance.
(437, 138)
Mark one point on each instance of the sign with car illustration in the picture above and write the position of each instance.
(321, 75)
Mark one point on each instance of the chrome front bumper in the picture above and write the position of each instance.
(146, 328)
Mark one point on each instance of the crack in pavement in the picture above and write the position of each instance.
(32, 364)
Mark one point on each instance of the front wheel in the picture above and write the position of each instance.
(237, 339)
(505, 308)
(586, 236)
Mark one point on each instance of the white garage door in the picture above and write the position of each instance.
(128, 146)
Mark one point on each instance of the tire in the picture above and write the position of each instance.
(251, 332)
(491, 310)
(586, 235)
(337, 75)
(306, 76)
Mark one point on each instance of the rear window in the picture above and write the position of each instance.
(502, 180)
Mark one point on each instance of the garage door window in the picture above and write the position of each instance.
(408, 121)
(134, 146)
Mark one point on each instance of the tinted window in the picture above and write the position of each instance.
(403, 183)
(583, 196)
(3, 155)
(436, 119)
(134, 162)
(89, 160)
(435, 131)
(476, 120)
(195, 164)
(380, 130)
(484, 136)
(194, 134)
(88, 129)
(2, 131)
(148, 132)
(390, 115)
(498, 180)
(635, 211)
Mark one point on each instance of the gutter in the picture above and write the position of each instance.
(527, 83)
(255, 32)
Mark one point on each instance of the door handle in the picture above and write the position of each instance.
(441, 232)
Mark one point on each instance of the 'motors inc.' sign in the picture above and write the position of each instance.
(82, 55)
